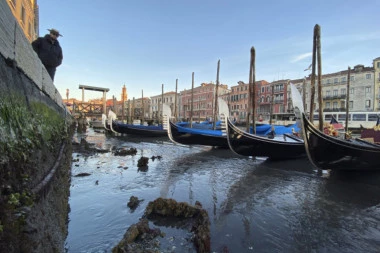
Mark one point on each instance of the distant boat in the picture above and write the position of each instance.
(204, 137)
(193, 136)
(96, 123)
(141, 130)
(201, 125)
(138, 129)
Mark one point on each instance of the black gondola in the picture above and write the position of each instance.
(279, 148)
(140, 130)
(328, 152)
(191, 136)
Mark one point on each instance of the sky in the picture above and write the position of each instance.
(143, 44)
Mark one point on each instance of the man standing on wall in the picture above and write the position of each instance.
(49, 51)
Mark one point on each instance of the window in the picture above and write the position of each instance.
(335, 105)
(352, 78)
(343, 91)
(368, 76)
(327, 93)
(328, 105)
(367, 90)
(335, 80)
(372, 117)
(262, 90)
(352, 91)
(328, 81)
(358, 117)
(23, 14)
(378, 64)
(343, 80)
(367, 103)
(328, 117)
(351, 104)
(342, 117)
(335, 93)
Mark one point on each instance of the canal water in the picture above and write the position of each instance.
(253, 205)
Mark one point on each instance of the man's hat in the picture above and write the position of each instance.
(52, 30)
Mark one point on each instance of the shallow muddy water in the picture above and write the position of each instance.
(253, 205)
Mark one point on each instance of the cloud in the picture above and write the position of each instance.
(301, 57)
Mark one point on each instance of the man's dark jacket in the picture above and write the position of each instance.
(48, 50)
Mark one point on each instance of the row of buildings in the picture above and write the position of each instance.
(272, 98)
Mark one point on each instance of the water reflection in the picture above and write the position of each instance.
(284, 206)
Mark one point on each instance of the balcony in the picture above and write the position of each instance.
(329, 97)
(341, 109)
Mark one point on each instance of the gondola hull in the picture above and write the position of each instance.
(202, 137)
(327, 152)
(149, 131)
(247, 144)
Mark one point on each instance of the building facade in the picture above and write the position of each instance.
(168, 98)
(26, 13)
(376, 66)
(239, 100)
(199, 103)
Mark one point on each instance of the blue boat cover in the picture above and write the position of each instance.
(201, 125)
(142, 127)
(199, 131)
(264, 129)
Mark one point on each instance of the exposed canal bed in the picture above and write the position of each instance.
(253, 205)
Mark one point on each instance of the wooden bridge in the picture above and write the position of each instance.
(90, 109)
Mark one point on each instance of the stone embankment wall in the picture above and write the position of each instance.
(35, 148)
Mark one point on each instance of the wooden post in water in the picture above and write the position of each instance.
(347, 102)
(216, 97)
(129, 111)
(271, 105)
(133, 110)
(320, 102)
(304, 93)
(192, 97)
(123, 104)
(251, 98)
(252, 77)
(175, 100)
(142, 107)
(162, 104)
(312, 79)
